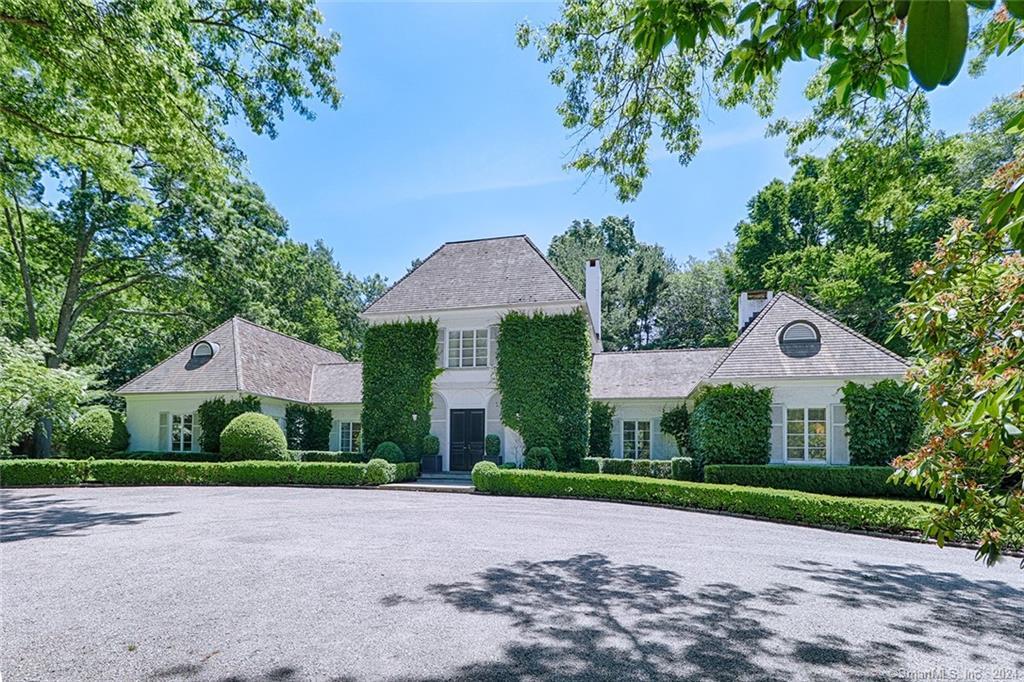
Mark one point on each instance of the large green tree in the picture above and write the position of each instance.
(634, 276)
(698, 307)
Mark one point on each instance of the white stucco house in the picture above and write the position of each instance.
(802, 354)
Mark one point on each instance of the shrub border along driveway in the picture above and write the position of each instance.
(900, 519)
(59, 472)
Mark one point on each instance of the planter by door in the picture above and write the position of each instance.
(467, 439)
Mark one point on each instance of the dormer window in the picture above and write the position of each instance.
(800, 339)
(203, 351)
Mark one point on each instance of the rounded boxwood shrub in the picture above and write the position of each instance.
(253, 436)
(379, 471)
(731, 425)
(96, 433)
(389, 452)
(492, 445)
(481, 470)
(431, 445)
(539, 457)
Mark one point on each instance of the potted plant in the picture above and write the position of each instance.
(431, 461)
(492, 448)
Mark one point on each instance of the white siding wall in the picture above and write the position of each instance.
(663, 446)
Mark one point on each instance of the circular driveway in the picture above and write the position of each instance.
(348, 584)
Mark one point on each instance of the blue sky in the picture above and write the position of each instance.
(448, 131)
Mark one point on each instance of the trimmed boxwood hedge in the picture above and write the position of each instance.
(216, 413)
(782, 505)
(851, 481)
(30, 472)
(327, 456)
(252, 435)
(652, 468)
(151, 455)
(98, 432)
(25, 472)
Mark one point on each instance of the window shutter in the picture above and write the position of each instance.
(197, 435)
(442, 334)
(778, 433)
(335, 442)
(616, 438)
(492, 347)
(840, 449)
(164, 436)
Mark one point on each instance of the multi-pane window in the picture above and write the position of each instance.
(348, 436)
(467, 348)
(806, 430)
(636, 439)
(177, 432)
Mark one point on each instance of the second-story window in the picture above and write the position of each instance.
(467, 348)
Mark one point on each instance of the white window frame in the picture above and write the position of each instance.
(636, 438)
(354, 430)
(166, 426)
(480, 355)
(805, 435)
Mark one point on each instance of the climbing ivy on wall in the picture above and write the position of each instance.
(601, 429)
(731, 425)
(883, 421)
(307, 427)
(213, 415)
(399, 366)
(543, 375)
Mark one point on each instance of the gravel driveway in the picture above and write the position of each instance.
(295, 584)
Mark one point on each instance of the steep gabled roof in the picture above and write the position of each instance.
(250, 358)
(501, 271)
(756, 354)
(650, 373)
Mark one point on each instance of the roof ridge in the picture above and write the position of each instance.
(485, 239)
(746, 331)
(289, 336)
(833, 320)
(190, 343)
(663, 350)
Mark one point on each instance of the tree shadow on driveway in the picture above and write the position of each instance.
(28, 516)
(588, 618)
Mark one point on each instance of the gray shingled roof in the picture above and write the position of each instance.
(337, 383)
(251, 358)
(844, 352)
(485, 272)
(650, 374)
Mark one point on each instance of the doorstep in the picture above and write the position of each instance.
(445, 482)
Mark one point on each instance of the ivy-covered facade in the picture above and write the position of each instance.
(485, 351)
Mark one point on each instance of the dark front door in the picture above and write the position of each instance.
(467, 442)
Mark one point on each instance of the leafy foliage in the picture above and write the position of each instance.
(539, 457)
(399, 366)
(389, 452)
(379, 472)
(308, 427)
(96, 433)
(431, 445)
(676, 423)
(633, 67)
(543, 375)
(847, 481)
(697, 309)
(651, 468)
(492, 445)
(600, 428)
(253, 436)
(633, 274)
(214, 414)
(29, 390)
(28, 472)
(883, 421)
(732, 425)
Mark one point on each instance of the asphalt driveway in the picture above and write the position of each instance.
(295, 584)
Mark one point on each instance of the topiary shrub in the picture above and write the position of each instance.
(543, 375)
(431, 445)
(389, 452)
(676, 423)
(731, 425)
(253, 436)
(620, 467)
(683, 469)
(883, 421)
(492, 445)
(216, 413)
(539, 457)
(590, 465)
(600, 428)
(399, 366)
(482, 470)
(93, 434)
(379, 471)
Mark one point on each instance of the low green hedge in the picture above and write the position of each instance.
(848, 481)
(21, 472)
(29, 472)
(327, 456)
(651, 468)
(819, 510)
(170, 456)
